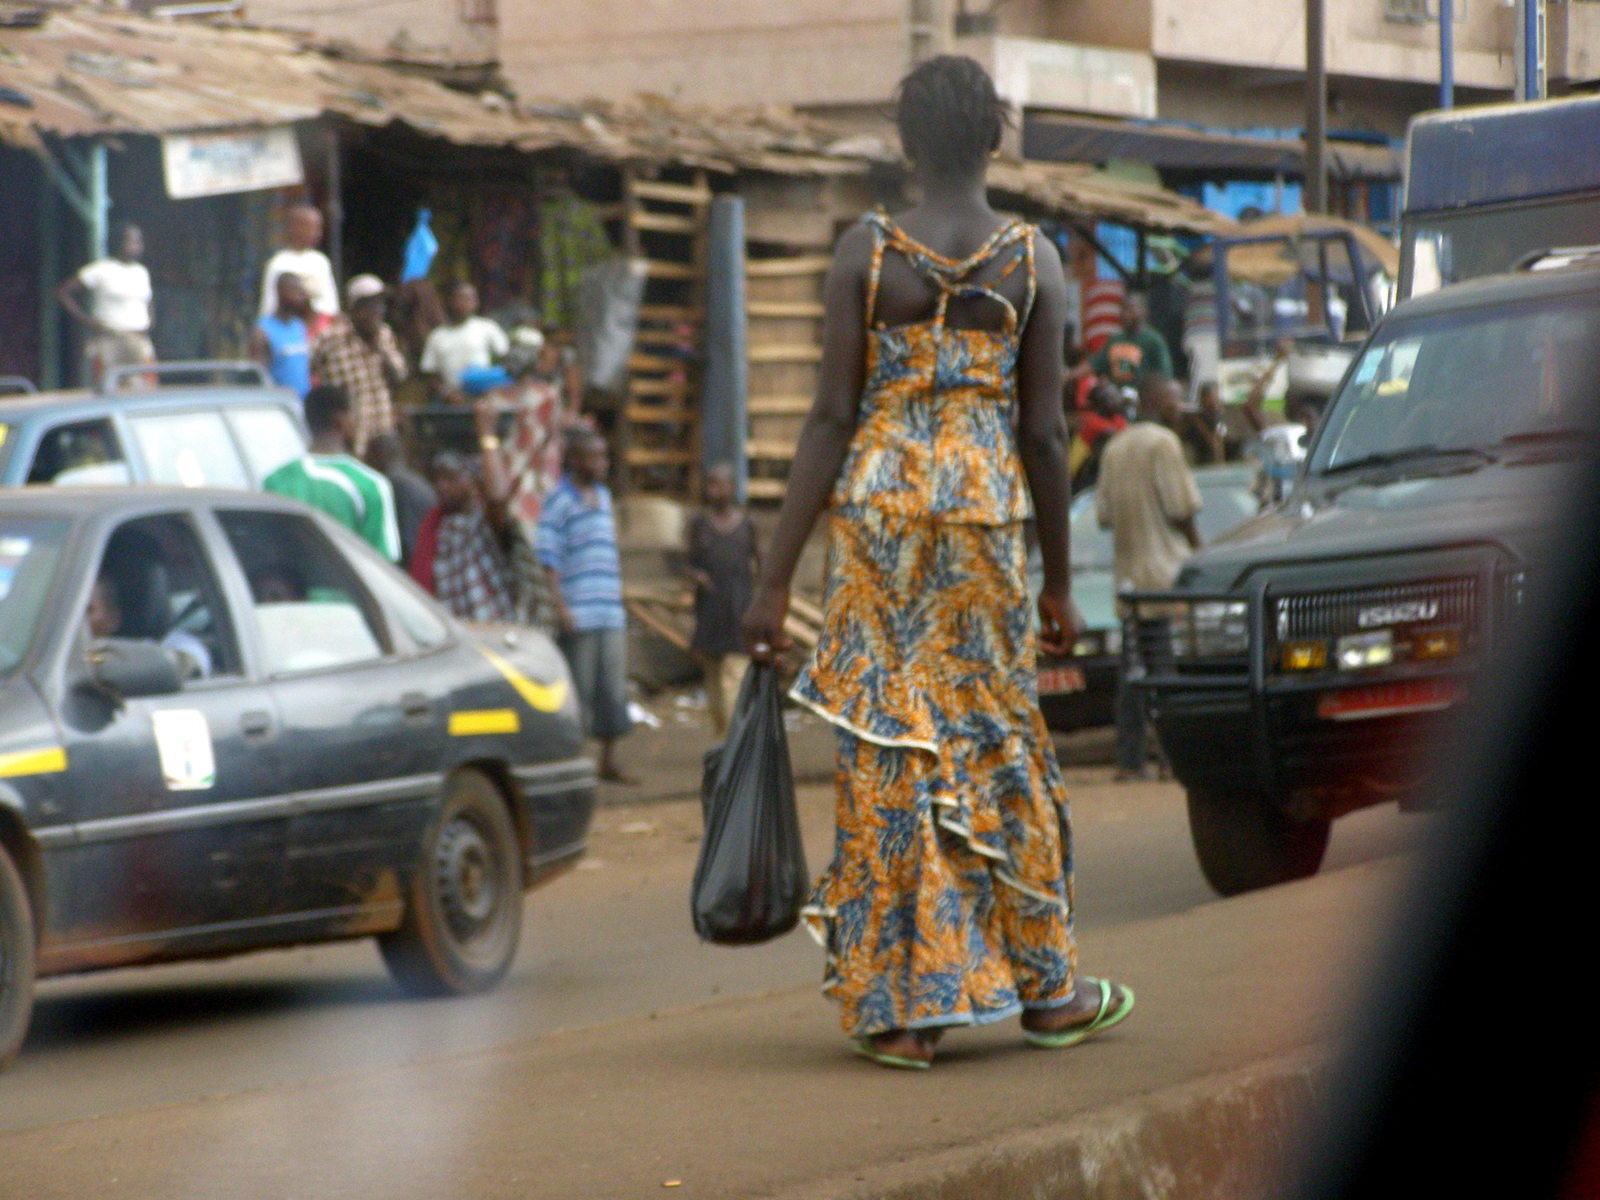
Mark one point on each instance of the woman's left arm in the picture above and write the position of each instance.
(1043, 445)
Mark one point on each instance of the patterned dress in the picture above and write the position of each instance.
(949, 897)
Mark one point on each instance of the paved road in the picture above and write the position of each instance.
(610, 941)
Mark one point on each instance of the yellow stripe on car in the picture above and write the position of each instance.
(33, 762)
(472, 722)
(541, 697)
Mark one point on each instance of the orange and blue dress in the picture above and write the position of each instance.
(949, 897)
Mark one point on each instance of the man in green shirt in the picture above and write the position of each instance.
(1136, 353)
(331, 479)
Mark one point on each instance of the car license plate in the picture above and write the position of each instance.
(1060, 679)
(1389, 699)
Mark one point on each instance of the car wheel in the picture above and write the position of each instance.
(1244, 842)
(464, 903)
(16, 960)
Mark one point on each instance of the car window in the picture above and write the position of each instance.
(309, 609)
(410, 609)
(30, 547)
(155, 583)
(269, 437)
(80, 453)
(192, 449)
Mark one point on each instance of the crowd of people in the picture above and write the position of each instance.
(521, 531)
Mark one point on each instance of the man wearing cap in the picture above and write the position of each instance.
(361, 354)
(464, 341)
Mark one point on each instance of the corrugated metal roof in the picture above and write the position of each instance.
(84, 72)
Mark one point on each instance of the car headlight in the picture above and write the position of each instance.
(1211, 629)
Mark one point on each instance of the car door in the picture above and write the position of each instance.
(363, 728)
(180, 825)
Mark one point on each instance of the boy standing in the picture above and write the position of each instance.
(577, 543)
(281, 340)
(723, 559)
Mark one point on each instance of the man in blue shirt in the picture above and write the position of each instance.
(577, 542)
(281, 340)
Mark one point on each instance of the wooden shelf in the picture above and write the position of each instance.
(670, 193)
(775, 268)
(768, 448)
(765, 489)
(796, 353)
(656, 269)
(799, 309)
(647, 456)
(779, 406)
(660, 414)
(670, 312)
(654, 222)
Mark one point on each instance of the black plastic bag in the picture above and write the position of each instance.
(751, 880)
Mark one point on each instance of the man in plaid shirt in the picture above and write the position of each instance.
(361, 354)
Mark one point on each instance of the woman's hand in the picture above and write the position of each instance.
(764, 638)
(1059, 622)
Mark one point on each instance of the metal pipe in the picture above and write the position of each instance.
(335, 207)
(1316, 182)
(1447, 54)
(99, 202)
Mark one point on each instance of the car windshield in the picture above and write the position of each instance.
(29, 551)
(1465, 385)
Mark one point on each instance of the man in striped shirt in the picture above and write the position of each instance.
(329, 478)
(577, 542)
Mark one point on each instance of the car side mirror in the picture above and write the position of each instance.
(124, 668)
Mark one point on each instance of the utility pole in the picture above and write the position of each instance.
(1447, 55)
(1316, 183)
(1530, 50)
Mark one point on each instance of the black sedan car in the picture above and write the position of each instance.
(226, 724)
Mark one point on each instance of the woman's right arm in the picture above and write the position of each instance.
(824, 441)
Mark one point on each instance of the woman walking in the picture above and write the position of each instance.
(949, 898)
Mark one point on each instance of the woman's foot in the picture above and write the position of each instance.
(903, 1048)
(1096, 1005)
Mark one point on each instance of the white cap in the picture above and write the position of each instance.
(363, 287)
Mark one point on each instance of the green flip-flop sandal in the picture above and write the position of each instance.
(1104, 1019)
(866, 1049)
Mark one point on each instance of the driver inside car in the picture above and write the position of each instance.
(105, 616)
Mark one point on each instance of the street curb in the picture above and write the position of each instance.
(1222, 1137)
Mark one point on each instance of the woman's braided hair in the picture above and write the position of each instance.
(949, 114)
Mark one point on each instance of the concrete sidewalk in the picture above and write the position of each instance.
(754, 1097)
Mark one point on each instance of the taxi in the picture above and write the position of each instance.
(227, 724)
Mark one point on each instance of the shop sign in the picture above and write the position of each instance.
(217, 163)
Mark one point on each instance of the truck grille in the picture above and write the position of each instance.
(1356, 610)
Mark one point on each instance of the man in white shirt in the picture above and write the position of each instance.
(1147, 497)
(302, 232)
(119, 306)
(464, 341)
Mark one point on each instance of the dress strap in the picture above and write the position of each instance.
(880, 237)
(1033, 279)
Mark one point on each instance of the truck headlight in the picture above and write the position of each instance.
(1214, 629)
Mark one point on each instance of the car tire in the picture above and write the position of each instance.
(464, 900)
(16, 960)
(1244, 842)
